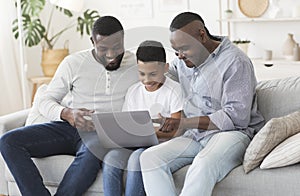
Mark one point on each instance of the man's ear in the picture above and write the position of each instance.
(202, 35)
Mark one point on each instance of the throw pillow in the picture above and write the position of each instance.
(274, 132)
(286, 153)
(34, 116)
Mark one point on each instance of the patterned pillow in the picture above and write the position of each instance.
(274, 132)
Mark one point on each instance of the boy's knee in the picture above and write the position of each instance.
(134, 160)
(116, 158)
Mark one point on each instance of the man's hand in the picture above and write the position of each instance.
(170, 125)
(79, 118)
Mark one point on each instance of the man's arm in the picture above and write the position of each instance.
(182, 124)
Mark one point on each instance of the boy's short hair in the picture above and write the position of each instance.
(150, 50)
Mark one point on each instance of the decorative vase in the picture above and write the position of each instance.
(288, 47)
(274, 9)
(296, 52)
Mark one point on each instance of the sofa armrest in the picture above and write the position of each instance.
(13, 120)
(8, 122)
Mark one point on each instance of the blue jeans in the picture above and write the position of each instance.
(20, 145)
(211, 159)
(114, 164)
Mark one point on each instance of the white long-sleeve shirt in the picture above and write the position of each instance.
(88, 84)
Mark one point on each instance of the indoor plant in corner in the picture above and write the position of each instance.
(36, 32)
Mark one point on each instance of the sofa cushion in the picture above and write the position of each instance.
(286, 153)
(34, 116)
(272, 182)
(279, 97)
(274, 132)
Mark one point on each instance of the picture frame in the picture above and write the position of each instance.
(173, 5)
(135, 9)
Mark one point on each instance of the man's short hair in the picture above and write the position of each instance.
(183, 19)
(107, 25)
(151, 51)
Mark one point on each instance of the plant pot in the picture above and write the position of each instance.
(228, 15)
(51, 59)
(243, 47)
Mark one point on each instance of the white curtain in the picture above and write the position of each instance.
(10, 69)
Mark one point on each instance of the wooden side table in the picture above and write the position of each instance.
(38, 81)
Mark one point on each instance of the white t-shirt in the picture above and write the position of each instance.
(165, 100)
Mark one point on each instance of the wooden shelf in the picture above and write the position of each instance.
(280, 68)
(277, 61)
(241, 20)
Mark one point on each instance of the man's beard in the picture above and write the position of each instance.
(115, 65)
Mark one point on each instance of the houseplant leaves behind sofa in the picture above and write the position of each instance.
(36, 32)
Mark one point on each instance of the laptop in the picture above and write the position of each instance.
(125, 129)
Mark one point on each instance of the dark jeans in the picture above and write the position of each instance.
(19, 145)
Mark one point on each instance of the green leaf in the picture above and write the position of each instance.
(33, 30)
(65, 11)
(32, 7)
(85, 23)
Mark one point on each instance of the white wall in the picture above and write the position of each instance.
(136, 29)
(269, 35)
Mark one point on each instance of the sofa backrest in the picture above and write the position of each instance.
(279, 97)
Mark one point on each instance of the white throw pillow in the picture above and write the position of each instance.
(34, 116)
(286, 153)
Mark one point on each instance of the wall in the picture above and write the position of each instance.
(136, 29)
(268, 35)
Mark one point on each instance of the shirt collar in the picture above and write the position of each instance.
(224, 42)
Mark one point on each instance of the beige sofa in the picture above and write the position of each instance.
(275, 98)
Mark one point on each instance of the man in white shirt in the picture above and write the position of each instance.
(95, 80)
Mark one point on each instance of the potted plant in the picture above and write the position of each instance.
(228, 13)
(242, 44)
(36, 32)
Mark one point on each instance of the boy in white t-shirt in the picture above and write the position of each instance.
(159, 95)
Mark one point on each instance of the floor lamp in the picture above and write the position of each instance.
(23, 66)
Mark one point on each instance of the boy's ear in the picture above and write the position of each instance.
(166, 67)
(91, 38)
